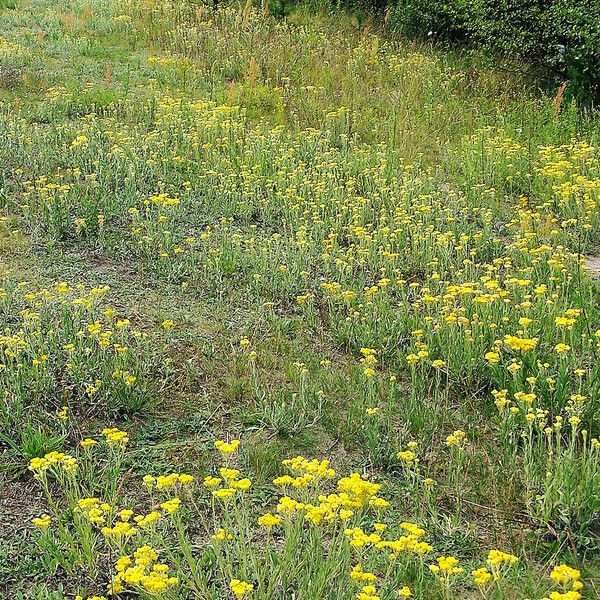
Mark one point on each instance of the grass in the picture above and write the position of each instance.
(316, 239)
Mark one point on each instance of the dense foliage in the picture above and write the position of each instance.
(561, 38)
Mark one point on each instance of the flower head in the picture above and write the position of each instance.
(240, 588)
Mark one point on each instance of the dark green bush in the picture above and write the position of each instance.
(560, 37)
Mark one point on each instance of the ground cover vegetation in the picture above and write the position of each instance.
(291, 308)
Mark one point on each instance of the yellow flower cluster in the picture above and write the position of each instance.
(115, 437)
(227, 448)
(165, 482)
(411, 543)
(231, 483)
(141, 572)
(446, 567)
(170, 506)
(42, 522)
(520, 344)
(240, 588)
(313, 467)
(222, 535)
(359, 490)
(481, 576)
(269, 520)
(144, 572)
(94, 509)
(53, 461)
(457, 439)
(408, 457)
(368, 592)
(497, 558)
(120, 530)
(570, 581)
(358, 574)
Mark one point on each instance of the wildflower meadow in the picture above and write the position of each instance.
(291, 308)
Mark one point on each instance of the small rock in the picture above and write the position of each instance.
(9, 77)
(592, 264)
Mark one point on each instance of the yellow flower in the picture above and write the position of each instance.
(42, 522)
(241, 484)
(125, 514)
(458, 439)
(171, 506)
(520, 344)
(168, 324)
(52, 460)
(224, 493)
(368, 592)
(495, 558)
(87, 443)
(569, 595)
(240, 588)
(481, 576)
(565, 575)
(376, 502)
(513, 368)
(144, 521)
(211, 482)
(358, 574)
(562, 348)
(565, 321)
(283, 480)
(144, 572)
(120, 529)
(149, 481)
(227, 448)
(229, 474)
(80, 140)
(404, 592)
(222, 535)
(115, 437)
(94, 509)
(448, 565)
(186, 479)
(492, 357)
(408, 457)
(269, 520)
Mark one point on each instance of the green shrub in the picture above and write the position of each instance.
(417, 18)
(561, 37)
(580, 24)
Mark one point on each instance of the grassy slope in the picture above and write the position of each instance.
(206, 392)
